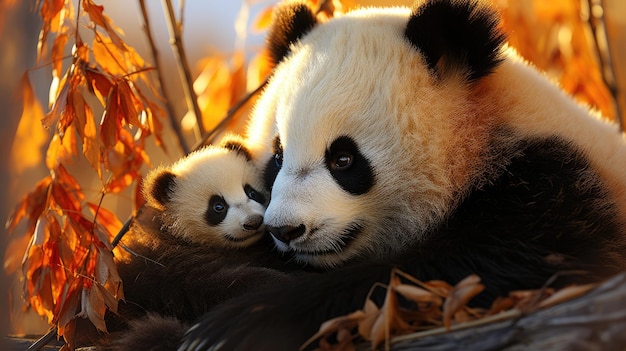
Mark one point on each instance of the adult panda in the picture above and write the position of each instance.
(416, 138)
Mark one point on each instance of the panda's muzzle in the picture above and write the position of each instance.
(286, 233)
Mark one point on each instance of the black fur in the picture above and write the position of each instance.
(162, 186)
(238, 147)
(175, 278)
(456, 33)
(546, 213)
(216, 211)
(255, 195)
(274, 164)
(160, 332)
(350, 169)
(292, 20)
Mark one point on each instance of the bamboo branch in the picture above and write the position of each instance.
(162, 86)
(183, 67)
(597, 23)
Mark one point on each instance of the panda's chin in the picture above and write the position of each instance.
(244, 240)
(307, 250)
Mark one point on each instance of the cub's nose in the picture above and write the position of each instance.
(253, 222)
(286, 233)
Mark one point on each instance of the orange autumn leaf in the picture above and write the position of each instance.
(96, 15)
(98, 84)
(30, 136)
(30, 206)
(111, 122)
(58, 106)
(50, 9)
(58, 53)
(61, 149)
(263, 20)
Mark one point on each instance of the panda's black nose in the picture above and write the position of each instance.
(253, 222)
(286, 233)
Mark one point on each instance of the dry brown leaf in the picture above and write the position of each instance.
(566, 294)
(333, 325)
(459, 296)
(93, 307)
(371, 315)
(418, 294)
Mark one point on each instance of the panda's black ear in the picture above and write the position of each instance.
(158, 187)
(453, 34)
(291, 21)
(237, 146)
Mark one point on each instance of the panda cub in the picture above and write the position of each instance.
(416, 138)
(198, 241)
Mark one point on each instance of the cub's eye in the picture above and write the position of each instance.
(278, 160)
(217, 210)
(341, 162)
(218, 207)
(254, 195)
(217, 204)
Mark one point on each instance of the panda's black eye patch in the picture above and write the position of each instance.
(217, 210)
(274, 164)
(253, 194)
(348, 166)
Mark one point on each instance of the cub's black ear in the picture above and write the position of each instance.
(158, 187)
(236, 145)
(453, 34)
(291, 21)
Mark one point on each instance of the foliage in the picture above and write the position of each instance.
(427, 308)
(68, 266)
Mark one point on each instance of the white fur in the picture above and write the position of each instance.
(358, 76)
(202, 174)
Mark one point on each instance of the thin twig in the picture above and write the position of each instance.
(598, 26)
(183, 68)
(162, 86)
(44, 340)
(208, 137)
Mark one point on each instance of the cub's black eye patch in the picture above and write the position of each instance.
(350, 169)
(217, 210)
(273, 165)
(253, 194)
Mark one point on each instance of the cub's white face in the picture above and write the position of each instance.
(215, 198)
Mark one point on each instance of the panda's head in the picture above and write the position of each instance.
(212, 196)
(375, 133)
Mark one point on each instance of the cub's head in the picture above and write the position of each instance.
(212, 196)
(375, 124)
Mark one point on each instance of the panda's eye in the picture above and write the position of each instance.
(217, 210)
(342, 161)
(253, 195)
(348, 166)
(218, 207)
(278, 160)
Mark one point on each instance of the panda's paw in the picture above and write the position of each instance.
(152, 332)
(283, 316)
(252, 322)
